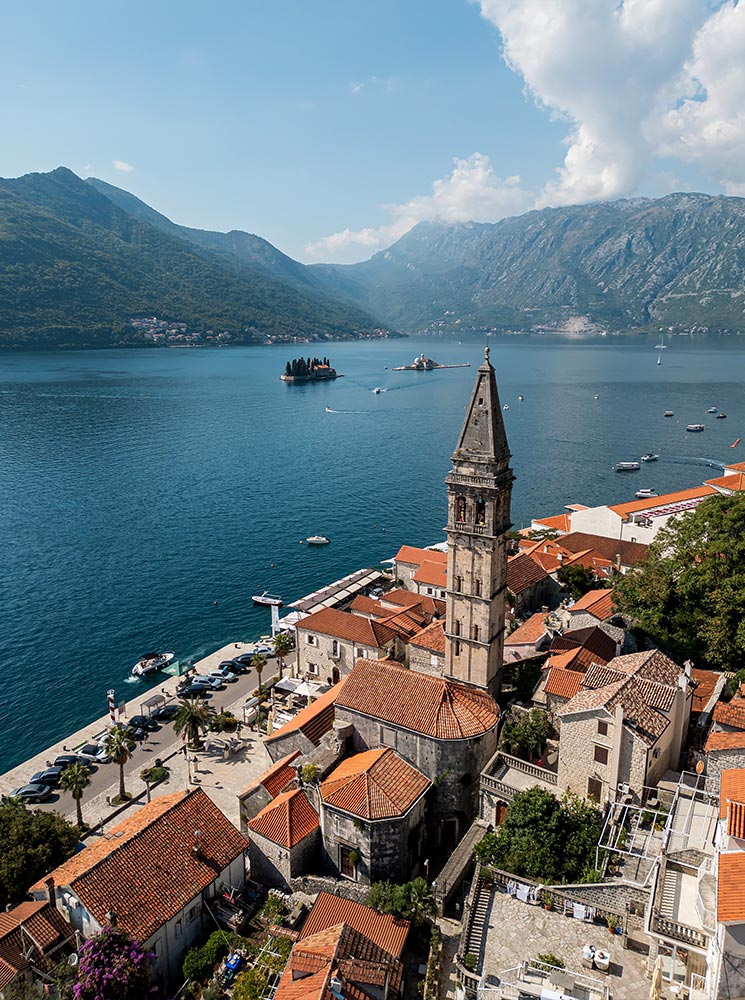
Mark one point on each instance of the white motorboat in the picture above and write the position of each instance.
(318, 540)
(650, 457)
(152, 662)
(377, 390)
(627, 467)
(712, 409)
(644, 494)
(695, 428)
(270, 600)
(668, 413)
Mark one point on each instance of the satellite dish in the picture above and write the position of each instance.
(72, 960)
(700, 767)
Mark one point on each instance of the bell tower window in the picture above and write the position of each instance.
(456, 627)
(475, 632)
(477, 587)
(481, 511)
(460, 508)
(459, 584)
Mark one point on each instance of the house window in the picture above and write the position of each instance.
(475, 632)
(594, 789)
(192, 914)
(335, 648)
(178, 930)
(457, 647)
(601, 754)
(346, 867)
(481, 511)
(460, 508)
(360, 653)
(157, 947)
(602, 728)
(312, 640)
(430, 591)
(312, 668)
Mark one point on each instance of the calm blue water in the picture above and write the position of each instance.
(139, 487)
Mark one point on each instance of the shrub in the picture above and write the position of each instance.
(470, 961)
(548, 958)
(250, 985)
(154, 773)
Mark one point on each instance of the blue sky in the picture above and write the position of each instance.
(330, 128)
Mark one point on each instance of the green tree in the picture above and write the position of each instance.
(258, 662)
(250, 985)
(192, 720)
(32, 844)
(281, 644)
(577, 580)
(75, 779)
(526, 734)
(119, 746)
(689, 596)
(411, 901)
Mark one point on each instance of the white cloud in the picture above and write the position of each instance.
(472, 192)
(127, 168)
(356, 87)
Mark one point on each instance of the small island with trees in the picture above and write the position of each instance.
(308, 370)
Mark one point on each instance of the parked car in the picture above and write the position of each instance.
(166, 713)
(32, 793)
(49, 777)
(195, 690)
(264, 650)
(144, 722)
(224, 675)
(94, 752)
(64, 760)
(216, 682)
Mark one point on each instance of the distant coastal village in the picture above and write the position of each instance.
(470, 772)
(154, 332)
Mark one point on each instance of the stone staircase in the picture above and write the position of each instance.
(479, 919)
(670, 894)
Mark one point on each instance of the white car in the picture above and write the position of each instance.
(94, 752)
(224, 675)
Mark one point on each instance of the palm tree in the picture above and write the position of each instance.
(75, 779)
(281, 644)
(192, 719)
(258, 662)
(119, 745)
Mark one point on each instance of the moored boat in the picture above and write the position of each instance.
(668, 413)
(152, 662)
(627, 467)
(721, 416)
(650, 457)
(695, 428)
(644, 494)
(318, 540)
(712, 409)
(271, 600)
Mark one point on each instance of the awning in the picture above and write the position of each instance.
(288, 684)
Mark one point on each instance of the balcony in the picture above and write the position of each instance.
(467, 528)
(506, 775)
(537, 979)
(681, 907)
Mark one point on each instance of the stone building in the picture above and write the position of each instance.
(427, 650)
(372, 817)
(330, 641)
(258, 796)
(284, 839)
(723, 751)
(409, 559)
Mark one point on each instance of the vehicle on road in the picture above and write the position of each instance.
(166, 713)
(65, 760)
(144, 722)
(224, 674)
(195, 691)
(50, 776)
(94, 752)
(32, 793)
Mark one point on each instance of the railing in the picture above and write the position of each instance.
(489, 784)
(541, 773)
(680, 932)
(469, 529)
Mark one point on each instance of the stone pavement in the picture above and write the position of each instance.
(518, 931)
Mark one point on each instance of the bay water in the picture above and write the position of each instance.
(146, 495)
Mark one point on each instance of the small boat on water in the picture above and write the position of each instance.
(668, 413)
(721, 416)
(597, 395)
(318, 540)
(649, 457)
(377, 390)
(644, 494)
(521, 398)
(627, 467)
(329, 410)
(506, 406)
(152, 662)
(270, 600)
(695, 428)
(735, 442)
(712, 409)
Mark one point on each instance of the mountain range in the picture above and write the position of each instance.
(79, 259)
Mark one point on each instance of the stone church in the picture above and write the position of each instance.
(438, 731)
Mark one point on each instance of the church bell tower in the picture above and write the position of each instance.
(479, 489)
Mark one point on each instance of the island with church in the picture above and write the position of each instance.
(309, 370)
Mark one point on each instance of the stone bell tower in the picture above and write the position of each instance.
(479, 489)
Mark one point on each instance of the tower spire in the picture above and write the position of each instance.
(483, 438)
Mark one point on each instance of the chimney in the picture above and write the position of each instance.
(688, 667)
(51, 894)
(197, 842)
(618, 561)
(111, 918)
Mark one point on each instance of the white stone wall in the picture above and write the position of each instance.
(325, 657)
(577, 738)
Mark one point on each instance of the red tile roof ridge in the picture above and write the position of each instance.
(383, 929)
(308, 714)
(411, 554)
(286, 820)
(432, 573)
(345, 625)
(374, 784)
(563, 683)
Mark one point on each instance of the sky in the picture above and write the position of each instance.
(331, 128)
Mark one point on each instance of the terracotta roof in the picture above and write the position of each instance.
(735, 467)
(407, 598)
(725, 741)
(432, 637)
(559, 522)
(287, 820)
(344, 625)
(592, 637)
(563, 683)
(279, 775)
(407, 622)
(730, 714)
(366, 605)
(595, 602)
(410, 554)
(386, 931)
(376, 784)
(577, 658)
(146, 869)
(529, 632)
(734, 482)
(705, 682)
(433, 706)
(731, 888)
(432, 573)
(523, 573)
(31, 923)
(631, 553)
(665, 500)
(315, 720)
(732, 801)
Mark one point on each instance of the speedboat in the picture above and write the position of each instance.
(712, 409)
(644, 494)
(506, 406)
(271, 600)
(597, 395)
(627, 467)
(649, 457)
(521, 398)
(721, 416)
(695, 428)
(668, 413)
(151, 662)
(377, 390)
(318, 540)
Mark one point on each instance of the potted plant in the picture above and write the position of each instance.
(548, 901)
(612, 924)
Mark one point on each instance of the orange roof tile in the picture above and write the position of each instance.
(432, 573)
(577, 659)
(523, 573)
(376, 784)
(705, 683)
(287, 820)
(725, 741)
(146, 869)
(433, 706)
(563, 683)
(558, 522)
(407, 598)
(730, 714)
(344, 625)
(279, 775)
(410, 554)
(732, 800)
(432, 637)
(598, 603)
(315, 719)
(366, 605)
(386, 931)
(697, 493)
(735, 467)
(529, 632)
(734, 482)
(31, 923)
(312, 987)
(631, 553)
(731, 888)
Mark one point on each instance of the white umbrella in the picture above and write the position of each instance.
(305, 690)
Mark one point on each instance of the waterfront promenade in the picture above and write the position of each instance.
(220, 778)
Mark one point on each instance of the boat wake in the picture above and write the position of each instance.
(712, 463)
